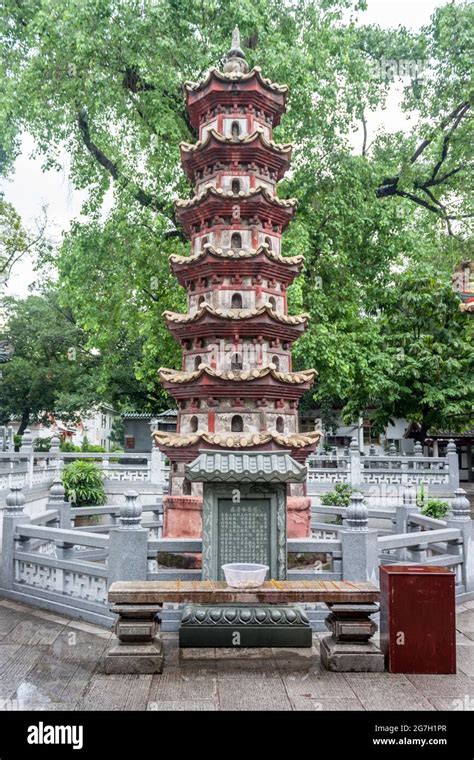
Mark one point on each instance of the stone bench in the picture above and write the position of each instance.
(138, 645)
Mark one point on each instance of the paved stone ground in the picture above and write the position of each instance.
(50, 662)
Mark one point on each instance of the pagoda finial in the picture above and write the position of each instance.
(235, 59)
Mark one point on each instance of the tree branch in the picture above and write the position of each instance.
(390, 185)
(144, 198)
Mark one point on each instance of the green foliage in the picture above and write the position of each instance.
(340, 497)
(83, 484)
(44, 378)
(86, 446)
(68, 447)
(117, 434)
(42, 444)
(435, 508)
(17, 441)
(381, 225)
(431, 507)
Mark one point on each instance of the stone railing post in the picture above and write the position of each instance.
(13, 515)
(406, 508)
(156, 466)
(360, 558)
(355, 471)
(27, 448)
(128, 560)
(57, 501)
(461, 519)
(453, 465)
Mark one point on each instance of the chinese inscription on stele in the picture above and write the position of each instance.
(244, 531)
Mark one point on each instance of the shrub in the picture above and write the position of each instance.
(84, 484)
(42, 444)
(340, 497)
(435, 508)
(68, 447)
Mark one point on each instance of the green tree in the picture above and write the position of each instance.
(104, 78)
(51, 372)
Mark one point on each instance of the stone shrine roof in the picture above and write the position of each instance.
(245, 467)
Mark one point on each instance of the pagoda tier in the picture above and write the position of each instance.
(223, 94)
(207, 381)
(235, 212)
(206, 163)
(262, 321)
(260, 264)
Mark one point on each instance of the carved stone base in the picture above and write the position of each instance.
(351, 657)
(348, 648)
(135, 658)
(138, 649)
(244, 626)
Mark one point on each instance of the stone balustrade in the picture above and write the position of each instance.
(48, 562)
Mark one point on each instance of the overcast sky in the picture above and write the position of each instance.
(29, 188)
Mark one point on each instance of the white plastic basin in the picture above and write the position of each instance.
(244, 574)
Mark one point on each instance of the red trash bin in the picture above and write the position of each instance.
(418, 619)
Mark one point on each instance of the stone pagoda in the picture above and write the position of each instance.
(236, 393)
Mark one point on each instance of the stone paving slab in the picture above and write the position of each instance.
(50, 662)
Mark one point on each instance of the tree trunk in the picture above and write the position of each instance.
(25, 417)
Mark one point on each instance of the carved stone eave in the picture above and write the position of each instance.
(235, 315)
(228, 195)
(236, 440)
(239, 255)
(236, 376)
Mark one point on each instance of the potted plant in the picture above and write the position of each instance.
(84, 486)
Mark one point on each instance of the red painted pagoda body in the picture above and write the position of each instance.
(236, 388)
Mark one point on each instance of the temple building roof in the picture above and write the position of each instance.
(246, 375)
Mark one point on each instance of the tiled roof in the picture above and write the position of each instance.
(245, 467)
